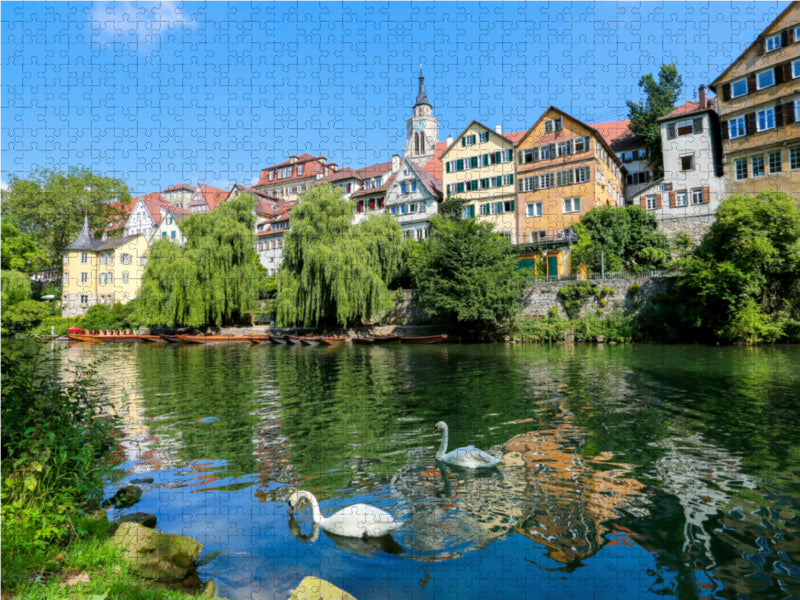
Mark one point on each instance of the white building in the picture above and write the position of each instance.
(413, 198)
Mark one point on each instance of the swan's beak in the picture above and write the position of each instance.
(435, 429)
(291, 507)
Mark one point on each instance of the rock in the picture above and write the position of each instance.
(125, 497)
(157, 555)
(209, 590)
(146, 519)
(314, 588)
(142, 480)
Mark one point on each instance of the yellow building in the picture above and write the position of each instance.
(758, 102)
(479, 168)
(564, 169)
(101, 271)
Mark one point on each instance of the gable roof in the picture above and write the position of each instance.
(384, 185)
(211, 195)
(430, 181)
(434, 165)
(177, 187)
(713, 85)
(314, 166)
(617, 135)
(266, 204)
(691, 107)
(513, 138)
(154, 204)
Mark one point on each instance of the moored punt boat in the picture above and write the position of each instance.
(390, 337)
(258, 338)
(276, 339)
(332, 340)
(310, 340)
(423, 339)
(83, 337)
(104, 336)
(363, 339)
(293, 339)
(214, 339)
(172, 339)
(153, 338)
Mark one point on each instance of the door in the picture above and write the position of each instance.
(552, 267)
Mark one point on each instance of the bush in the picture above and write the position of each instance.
(24, 316)
(16, 287)
(573, 297)
(551, 328)
(114, 316)
(58, 324)
(54, 445)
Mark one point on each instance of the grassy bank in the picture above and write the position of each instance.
(56, 443)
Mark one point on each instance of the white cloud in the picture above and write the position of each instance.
(3, 185)
(137, 24)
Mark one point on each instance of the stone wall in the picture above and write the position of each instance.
(541, 296)
(695, 227)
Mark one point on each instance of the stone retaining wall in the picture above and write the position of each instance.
(541, 296)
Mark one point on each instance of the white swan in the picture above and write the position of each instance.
(469, 457)
(357, 520)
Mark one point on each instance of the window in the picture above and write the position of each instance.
(765, 119)
(84, 258)
(795, 69)
(775, 162)
(681, 198)
(284, 172)
(300, 170)
(66, 258)
(552, 125)
(84, 278)
(173, 235)
(272, 175)
(546, 181)
(508, 180)
(736, 128)
(651, 202)
(796, 110)
(468, 140)
(642, 153)
(142, 261)
(741, 168)
(468, 212)
(765, 79)
(163, 234)
(84, 299)
(528, 156)
(757, 164)
(534, 209)
(697, 196)
(125, 259)
(794, 159)
(684, 127)
(627, 156)
(483, 137)
(773, 42)
(687, 162)
(581, 144)
(739, 88)
(562, 148)
(572, 205)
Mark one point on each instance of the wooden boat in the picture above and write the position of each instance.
(423, 339)
(389, 337)
(172, 339)
(310, 340)
(214, 339)
(104, 337)
(293, 339)
(276, 339)
(363, 339)
(157, 339)
(258, 338)
(332, 340)
(83, 337)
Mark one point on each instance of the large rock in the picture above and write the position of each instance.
(125, 497)
(157, 555)
(314, 588)
(143, 518)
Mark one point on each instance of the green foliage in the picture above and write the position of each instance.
(58, 324)
(333, 271)
(744, 277)
(214, 280)
(450, 208)
(49, 207)
(467, 273)
(573, 297)
(54, 446)
(660, 99)
(19, 250)
(628, 239)
(23, 316)
(113, 317)
(551, 328)
(615, 327)
(16, 287)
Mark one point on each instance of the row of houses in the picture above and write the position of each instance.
(532, 186)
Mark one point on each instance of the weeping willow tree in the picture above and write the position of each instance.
(334, 272)
(214, 279)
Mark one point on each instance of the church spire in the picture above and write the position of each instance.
(422, 96)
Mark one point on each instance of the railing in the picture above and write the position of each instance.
(603, 276)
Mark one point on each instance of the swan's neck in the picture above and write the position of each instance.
(314, 506)
(443, 445)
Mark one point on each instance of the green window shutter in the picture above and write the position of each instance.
(463, 141)
(460, 164)
(511, 179)
(447, 167)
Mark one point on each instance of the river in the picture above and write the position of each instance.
(629, 471)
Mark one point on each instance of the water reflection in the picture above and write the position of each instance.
(363, 547)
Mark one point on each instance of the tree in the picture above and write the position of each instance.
(625, 238)
(214, 280)
(49, 206)
(744, 276)
(467, 273)
(660, 98)
(16, 287)
(24, 315)
(19, 250)
(334, 272)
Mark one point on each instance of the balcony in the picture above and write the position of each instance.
(548, 238)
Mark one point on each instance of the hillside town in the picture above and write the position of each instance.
(532, 186)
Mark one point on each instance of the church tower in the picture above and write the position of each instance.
(422, 128)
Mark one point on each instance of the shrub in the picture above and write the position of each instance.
(23, 316)
(573, 296)
(551, 328)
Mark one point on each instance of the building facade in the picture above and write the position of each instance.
(206, 198)
(287, 180)
(413, 199)
(759, 106)
(179, 195)
(422, 129)
(564, 169)
(101, 271)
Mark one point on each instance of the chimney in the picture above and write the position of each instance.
(703, 96)
(498, 129)
(395, 163)
(449, 140)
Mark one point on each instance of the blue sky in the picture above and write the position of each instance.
(161, 93)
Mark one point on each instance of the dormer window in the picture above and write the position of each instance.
(300, 169)
(552, 125)
(773, 42)
(285, 172)
(272, 175)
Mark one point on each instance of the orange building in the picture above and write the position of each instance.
(564, 168)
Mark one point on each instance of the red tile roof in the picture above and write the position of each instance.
(434, 165)
(373, 170)
(179, 186)
(345, 173)
(384, 185)
(690, 107)
(617, 135)
(313, 167)
(514, 136)
(429, 180)
(212, 195)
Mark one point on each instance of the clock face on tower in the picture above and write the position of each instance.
(419, 125)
